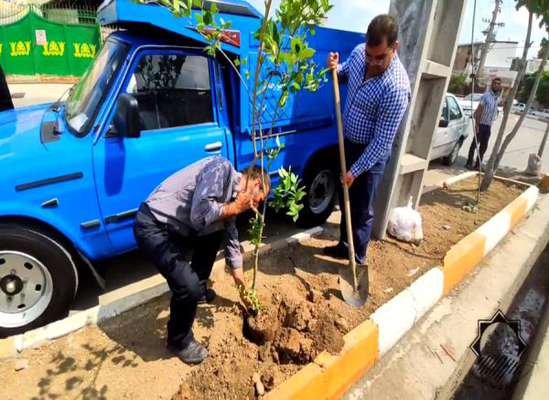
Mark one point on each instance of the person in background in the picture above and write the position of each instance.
(485, 115)
(180, 228)
(377, 97)
(5, 96)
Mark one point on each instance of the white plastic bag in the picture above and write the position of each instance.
(405, 224)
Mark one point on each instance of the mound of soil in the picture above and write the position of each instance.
(298, 331)
(288, 331)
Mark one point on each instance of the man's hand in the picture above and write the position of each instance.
(243, 202)
(333, 60)
(238, 276)
(477, 128)
(348, 179)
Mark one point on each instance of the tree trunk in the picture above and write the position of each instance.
(531, 97)
(490, 169)
(543, 142)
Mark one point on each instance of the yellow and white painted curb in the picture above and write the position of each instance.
(329, 376)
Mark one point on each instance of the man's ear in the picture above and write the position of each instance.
(396, 45)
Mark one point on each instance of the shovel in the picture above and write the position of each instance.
(353, 284)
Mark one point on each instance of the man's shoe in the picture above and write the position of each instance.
(193, 353)
(337, 251)
(469, 166)
(208, 297)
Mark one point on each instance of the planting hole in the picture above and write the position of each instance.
(28, 265)
(2, 261)
(38, 287)
(20, 306)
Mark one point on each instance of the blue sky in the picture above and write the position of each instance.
(354, 15)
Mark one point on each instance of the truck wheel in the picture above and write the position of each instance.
(38, 279)
(451, 158)
(321, 186)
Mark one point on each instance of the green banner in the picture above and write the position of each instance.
(35, 46)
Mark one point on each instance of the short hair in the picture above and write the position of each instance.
(256, 172)
(382, 26)
(497, 78)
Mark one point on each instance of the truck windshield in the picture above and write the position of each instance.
(84, 101)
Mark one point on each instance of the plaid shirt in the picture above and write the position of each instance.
(374, 107)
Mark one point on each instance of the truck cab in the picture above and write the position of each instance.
(75, 172)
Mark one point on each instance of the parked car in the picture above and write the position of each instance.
(454, 127)
(465, 103)
(517, 107)
(542, 114)
(75, 172)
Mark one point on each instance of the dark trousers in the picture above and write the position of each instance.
(362, 195)
(483, 137)
(185, 262)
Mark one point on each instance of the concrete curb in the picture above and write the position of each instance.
(119, 301)
(329, 376)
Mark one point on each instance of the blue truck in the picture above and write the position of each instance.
(75, 171)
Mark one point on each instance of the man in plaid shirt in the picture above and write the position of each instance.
(377, 97)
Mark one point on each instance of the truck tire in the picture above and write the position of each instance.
(38, 279)
(321, 186)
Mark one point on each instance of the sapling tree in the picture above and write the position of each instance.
(284, 66)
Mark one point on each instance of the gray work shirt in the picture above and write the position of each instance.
(191, 202)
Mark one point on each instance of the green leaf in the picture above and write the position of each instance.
(308, 53)
(207, 18)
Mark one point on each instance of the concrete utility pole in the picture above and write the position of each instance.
(490, 36)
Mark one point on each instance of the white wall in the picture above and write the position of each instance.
(501, 54)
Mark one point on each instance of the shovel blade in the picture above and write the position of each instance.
(358, 297)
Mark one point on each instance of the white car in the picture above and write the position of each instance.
(517, 107)
(465, 103)
(454, 126)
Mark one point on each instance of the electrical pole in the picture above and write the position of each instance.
(490, 36)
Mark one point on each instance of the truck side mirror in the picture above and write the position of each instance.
(126, 119)
(443, 123)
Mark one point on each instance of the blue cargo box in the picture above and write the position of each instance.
(303, 110)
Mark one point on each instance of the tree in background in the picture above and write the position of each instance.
(542, 94)
(539, 8)
(544, 42)
(458, 85)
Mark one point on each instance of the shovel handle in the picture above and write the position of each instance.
(346, 201)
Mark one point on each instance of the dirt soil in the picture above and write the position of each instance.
(298, 286)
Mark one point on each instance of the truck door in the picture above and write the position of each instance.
(178, 127)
